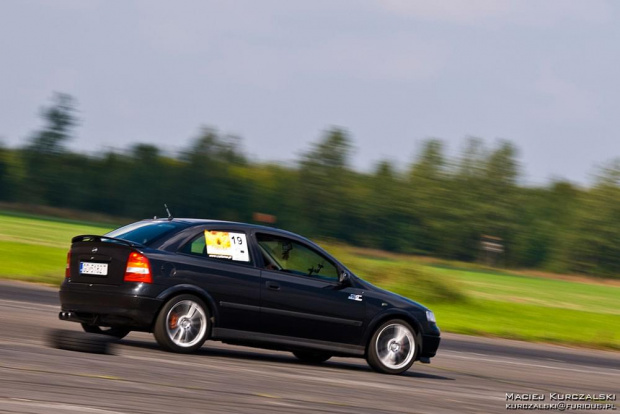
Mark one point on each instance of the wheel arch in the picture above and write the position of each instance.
(184, 289)
(388, 315)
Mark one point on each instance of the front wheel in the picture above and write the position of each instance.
(393, 347)
(182, 324)
(312, 357)
(115, 332)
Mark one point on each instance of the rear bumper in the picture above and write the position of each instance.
(109, 305)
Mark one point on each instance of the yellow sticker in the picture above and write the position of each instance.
(226, 245)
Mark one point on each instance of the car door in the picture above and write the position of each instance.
(219, 261)
(301, 296)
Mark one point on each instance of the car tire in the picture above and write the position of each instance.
(312, 357)
(116, 332)
(183, 324)
(80, 341)
(393, 347)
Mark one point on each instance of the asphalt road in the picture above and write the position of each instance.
(469, 375)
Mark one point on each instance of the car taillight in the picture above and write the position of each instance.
(138, 269)
(68, 267)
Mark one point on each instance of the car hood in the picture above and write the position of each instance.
(392, 298)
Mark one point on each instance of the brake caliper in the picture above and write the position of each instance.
(174, 321)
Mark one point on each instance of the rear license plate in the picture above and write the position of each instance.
(87, 268)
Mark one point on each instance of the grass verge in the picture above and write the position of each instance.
(35, 249)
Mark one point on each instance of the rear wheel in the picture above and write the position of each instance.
(115, 332)
(312, 357)
(182, 324)
(393, 347)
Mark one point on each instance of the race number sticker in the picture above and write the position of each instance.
(225, 245)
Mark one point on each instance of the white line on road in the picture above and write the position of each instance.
(340, 382)
(479, 357)
(49, 407)
(27, 305)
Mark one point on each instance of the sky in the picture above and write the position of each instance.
(543, 74)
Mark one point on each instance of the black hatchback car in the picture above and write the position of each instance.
(189, 280)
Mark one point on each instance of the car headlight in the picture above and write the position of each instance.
(430, 316)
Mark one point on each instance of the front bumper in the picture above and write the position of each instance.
(109, 305)
(430, 343)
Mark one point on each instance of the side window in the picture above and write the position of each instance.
(217, 244)
(196, 246)
(287, 255)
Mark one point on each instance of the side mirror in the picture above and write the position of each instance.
(344, 279)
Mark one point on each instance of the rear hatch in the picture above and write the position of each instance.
(99, 259)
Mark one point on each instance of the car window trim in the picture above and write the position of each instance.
(283, 272)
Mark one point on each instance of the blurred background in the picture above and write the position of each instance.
(456, 152)
(470, 207)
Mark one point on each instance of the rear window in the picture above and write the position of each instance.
(145, 232)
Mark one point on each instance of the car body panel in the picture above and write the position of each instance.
(226, 283)
(310, 308)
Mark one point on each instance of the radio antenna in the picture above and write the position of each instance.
(168, 211)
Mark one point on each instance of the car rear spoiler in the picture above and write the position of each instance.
(94, 238)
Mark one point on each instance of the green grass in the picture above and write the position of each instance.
(35, 249)
(531, 323)
(544, 292)
(466, 299)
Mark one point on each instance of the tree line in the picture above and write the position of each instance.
(439, 206)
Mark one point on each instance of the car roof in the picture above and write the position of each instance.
(231, 224)
(235, 225)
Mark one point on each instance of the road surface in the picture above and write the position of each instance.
(469, 375)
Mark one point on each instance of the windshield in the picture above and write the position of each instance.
(145, 232)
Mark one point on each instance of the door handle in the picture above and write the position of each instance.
(272, 285)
